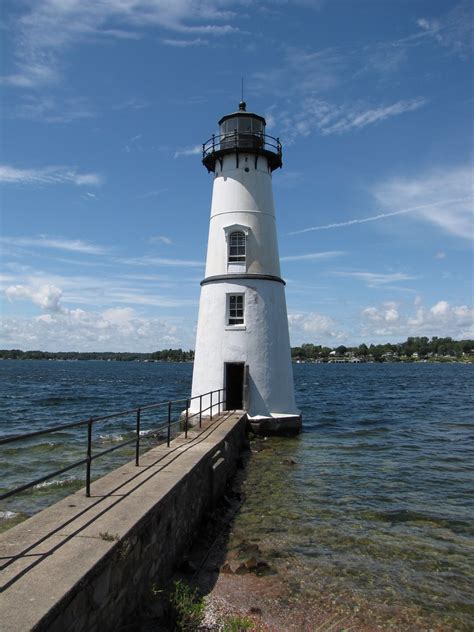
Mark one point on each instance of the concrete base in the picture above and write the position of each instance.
(282, 425)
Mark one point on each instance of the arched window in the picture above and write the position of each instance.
(237, 246)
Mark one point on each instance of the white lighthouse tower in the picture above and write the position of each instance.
(242, 340)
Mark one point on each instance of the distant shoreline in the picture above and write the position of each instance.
(437, 360)
(414, 349)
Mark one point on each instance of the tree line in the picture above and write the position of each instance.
(413, 348)
(166, 355)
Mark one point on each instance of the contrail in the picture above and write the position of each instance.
(379, 216)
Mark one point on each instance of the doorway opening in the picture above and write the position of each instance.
(234, 383)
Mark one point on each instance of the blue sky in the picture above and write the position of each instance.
(105, 202)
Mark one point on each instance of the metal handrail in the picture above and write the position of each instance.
(265, 142)
(136, 439)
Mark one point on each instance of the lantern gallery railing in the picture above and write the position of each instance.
(238, 141)
(217, 402)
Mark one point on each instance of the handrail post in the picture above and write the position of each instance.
(186, 420)
(169, 425)
(211, 404)
(89, 458)
(219, 402)
(200, 411)
(137, 443)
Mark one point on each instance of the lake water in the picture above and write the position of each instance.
(376, 511)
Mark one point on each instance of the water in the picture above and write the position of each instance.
(376, 513)
(37, 394)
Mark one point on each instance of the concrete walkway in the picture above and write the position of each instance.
(45, 560)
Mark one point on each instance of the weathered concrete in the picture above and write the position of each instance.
(85, 563)
(281, 425)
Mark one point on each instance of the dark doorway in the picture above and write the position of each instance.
(234, 383)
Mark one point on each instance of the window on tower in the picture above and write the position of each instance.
(235, 309)
(237, 246)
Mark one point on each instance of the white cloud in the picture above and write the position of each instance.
(56, 243)
(315, 256)
(316, 114)
(441, 319)
(444, 198)
(453, 30)
(153, 193)
(48, 175)
(188, 151)
(311, 326)
(388, 313)
(51, 109)
(132, 104)
(302, 72)
(105, 291)
(374, 218)
(161, 239)
(47, 297)
(161, 261)
(115, 329)
(184, 43)
(375, 279)
(50, 27)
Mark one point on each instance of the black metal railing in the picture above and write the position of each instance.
(241, 141)
(139, 435)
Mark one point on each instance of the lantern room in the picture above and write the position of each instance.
(242, 132)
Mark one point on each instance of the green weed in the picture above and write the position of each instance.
(237, 624)
(188, 607)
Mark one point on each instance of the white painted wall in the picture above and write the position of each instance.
(263, 345)
(245, 198)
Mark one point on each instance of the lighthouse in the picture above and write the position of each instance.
(242, 342)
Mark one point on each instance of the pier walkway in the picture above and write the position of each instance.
(85, 562)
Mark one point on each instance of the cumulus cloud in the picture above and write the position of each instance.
(441, 319)
(313, 326)
(46, 296)
(387, 313)
(115, 329)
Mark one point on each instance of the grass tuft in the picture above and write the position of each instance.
(188, 607)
